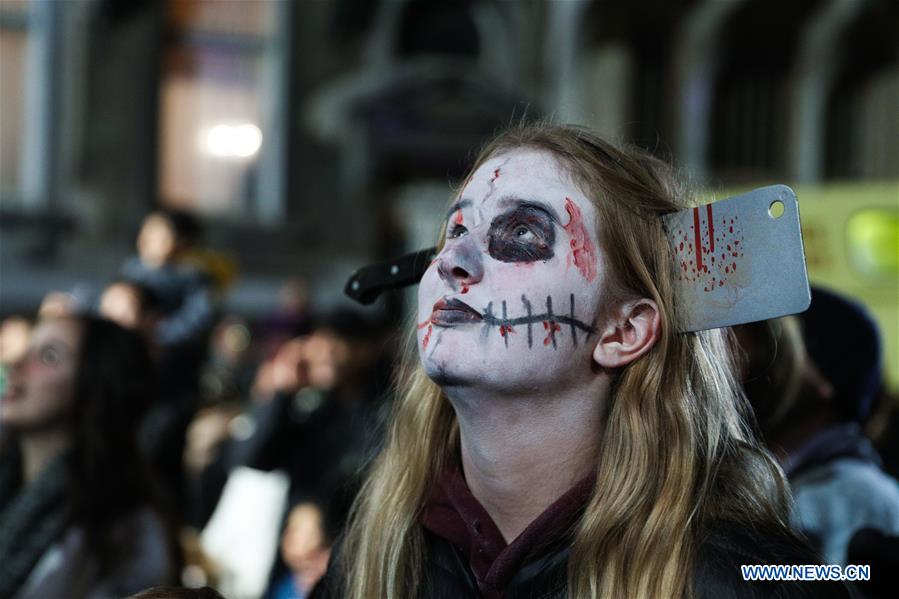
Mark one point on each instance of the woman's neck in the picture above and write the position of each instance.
(39, 450)
(520, 454)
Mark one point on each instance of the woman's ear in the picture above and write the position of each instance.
(628, 334)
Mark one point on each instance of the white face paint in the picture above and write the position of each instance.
(510, 302)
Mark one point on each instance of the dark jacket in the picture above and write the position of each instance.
(716, 572)
(185, 300)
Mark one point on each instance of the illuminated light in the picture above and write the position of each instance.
(241, 140)
(873, 242)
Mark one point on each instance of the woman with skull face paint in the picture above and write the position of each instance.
(558, 437)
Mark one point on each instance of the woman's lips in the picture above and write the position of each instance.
(448, 312)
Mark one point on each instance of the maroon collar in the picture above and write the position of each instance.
(453, 513)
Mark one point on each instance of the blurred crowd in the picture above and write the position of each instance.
(132, 414)
(149, 439)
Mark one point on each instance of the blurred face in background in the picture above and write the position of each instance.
(156, 242)
(39, 392)
(327, 359)
(304, 546)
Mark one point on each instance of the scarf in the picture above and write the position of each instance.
(31, 519)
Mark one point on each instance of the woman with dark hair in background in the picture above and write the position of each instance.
(76, 515)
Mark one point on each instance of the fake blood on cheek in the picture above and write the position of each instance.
(583, 253)
(427, 337)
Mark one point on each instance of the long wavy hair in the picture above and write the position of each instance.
(677, 451)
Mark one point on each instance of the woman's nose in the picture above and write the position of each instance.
(14, 367)
(460, 265)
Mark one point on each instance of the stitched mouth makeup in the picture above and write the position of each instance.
(451, 312)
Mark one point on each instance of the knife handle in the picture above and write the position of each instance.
(367, 283)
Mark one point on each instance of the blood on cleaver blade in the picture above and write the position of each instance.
(699, 260)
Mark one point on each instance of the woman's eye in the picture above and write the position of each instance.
(522, 232)
(457, 231)
(525, 234)
(49, 356)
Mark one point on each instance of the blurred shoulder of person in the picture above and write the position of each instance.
(177, 593)
(132, 305)
(811, 382)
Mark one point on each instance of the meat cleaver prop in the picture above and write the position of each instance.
(737, 260)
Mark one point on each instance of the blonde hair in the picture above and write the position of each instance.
(676, 452)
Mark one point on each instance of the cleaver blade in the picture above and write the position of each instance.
(739, 260)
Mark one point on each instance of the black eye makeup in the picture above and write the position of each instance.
(525, 234)
(455, 230)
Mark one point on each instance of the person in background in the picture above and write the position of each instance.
(226, 380)
(315, 406)
(305, 548)
(132, 306)
(292, 317)
(77, 515)
(314, 413)
(162, 433)
(812, 381)
(184, 303)
(184, 292)
(228, 372)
